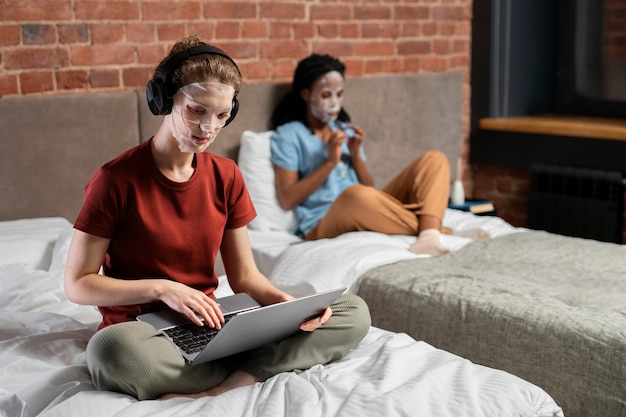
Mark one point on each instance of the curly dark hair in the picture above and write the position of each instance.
(292, 106)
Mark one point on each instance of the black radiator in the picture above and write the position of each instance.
(577, 202)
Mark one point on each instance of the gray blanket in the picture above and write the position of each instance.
(548, 308)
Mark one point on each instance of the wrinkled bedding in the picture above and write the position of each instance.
(548, 308)
(43, 373)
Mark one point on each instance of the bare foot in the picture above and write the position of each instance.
(429, 243)
(235, 380)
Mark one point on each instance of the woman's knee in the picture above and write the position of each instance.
(435, 158)
(355, 314)
(358, 195)
(123, 357)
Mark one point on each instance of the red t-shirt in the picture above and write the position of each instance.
(161, 228)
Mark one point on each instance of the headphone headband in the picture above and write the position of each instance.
(158, 90)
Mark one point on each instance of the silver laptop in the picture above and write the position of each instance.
(247, 324)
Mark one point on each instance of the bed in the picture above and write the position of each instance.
(43, 373)
(546, 307)
(43, 336)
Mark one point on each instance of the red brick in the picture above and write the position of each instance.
(230, 10)
(73, 33)
(240, 50)
(36, 58)
(374, 66)
(414, 47)
(280, 30)
(402, 12)
(10, 35)
(136, 77)
(330, 12)
(34, 34)
(328, 30)
(339, 49)
(430, 28)
(434, 64)
(451, 12)
(227, 30)
(205, 30)
(447, 29)
(282, 10)
(411, 29)
(107, 10)
(257, 70)
(254, 29)
(393, 65)
(283, 49)
(102, 55)
(374, 48)
(169, 10)
(140, 32)
(349, 30)
(150, 54)
(170, 31)
(104, 78)
(107, 33)
(71, 79)
(372, 12)
(442, 46)
(304, 30)
(35, 10)
(8, 84)
(36, 82)
(284, 69)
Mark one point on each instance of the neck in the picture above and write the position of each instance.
(176, 165)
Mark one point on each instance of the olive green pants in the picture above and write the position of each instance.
(135, 359)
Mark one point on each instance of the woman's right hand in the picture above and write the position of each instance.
(194, 304)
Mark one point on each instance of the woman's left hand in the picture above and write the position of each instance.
(315, 323)
(354, 143)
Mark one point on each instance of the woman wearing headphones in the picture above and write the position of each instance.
(147, 236)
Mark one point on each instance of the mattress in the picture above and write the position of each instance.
(548, 308)
(43, 372)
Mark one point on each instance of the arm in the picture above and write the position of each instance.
(292, 190)
(354, 144)
(244, 276)
(83, 284)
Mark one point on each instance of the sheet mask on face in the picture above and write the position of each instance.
(326, 97)
(199, 112)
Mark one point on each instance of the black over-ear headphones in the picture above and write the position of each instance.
(159, 90)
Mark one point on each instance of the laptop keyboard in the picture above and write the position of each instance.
(192, 338)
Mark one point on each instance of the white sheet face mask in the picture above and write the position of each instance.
(200, 111)
(326, 97)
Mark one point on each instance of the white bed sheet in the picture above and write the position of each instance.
(302, 268)
(43, 373)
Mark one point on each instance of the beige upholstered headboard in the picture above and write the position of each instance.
(51, 145)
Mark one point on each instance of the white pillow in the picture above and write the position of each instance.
(30, 241)
(61, 249)
(256, 167)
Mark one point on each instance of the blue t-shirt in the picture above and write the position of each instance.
(295, 148)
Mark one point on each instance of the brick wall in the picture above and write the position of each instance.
(57, 46)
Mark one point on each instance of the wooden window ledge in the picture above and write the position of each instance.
(561, 125)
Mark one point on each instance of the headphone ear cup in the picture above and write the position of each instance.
(233, 111)
(159, 101)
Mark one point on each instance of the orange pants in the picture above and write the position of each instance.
(422, 188)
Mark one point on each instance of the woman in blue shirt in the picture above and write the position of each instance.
(321, 172)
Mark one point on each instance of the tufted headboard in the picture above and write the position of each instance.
(51, 145)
